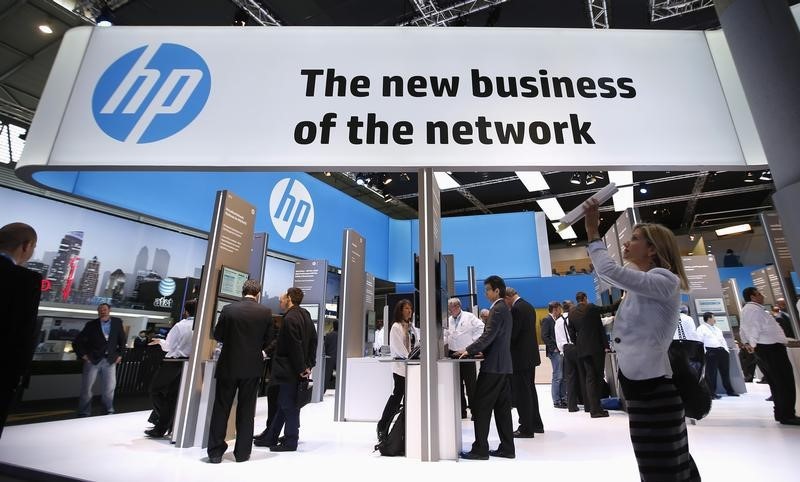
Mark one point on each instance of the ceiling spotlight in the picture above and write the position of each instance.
(387, 197)
(360, 179)
(240, 18)
(643, 188)
(328, 173)
(44, 28)
(404, 176)
(106, 18)
(749, 177)
(765, 176)
(387, 179)
(590, 179)
(576, 178)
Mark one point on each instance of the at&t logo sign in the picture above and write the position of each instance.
(151, 93)
(291, 210)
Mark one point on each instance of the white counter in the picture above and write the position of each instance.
(368, 385)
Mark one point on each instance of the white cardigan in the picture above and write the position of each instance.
(646, 319)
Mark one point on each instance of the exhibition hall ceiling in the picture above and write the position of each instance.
(684, 201)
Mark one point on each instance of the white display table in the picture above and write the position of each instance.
(369, 383)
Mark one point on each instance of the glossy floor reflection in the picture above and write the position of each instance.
(738, 439)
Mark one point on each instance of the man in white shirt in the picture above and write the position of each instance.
(717, 355)
(379, 341)
(761, 334)
(572, 380)
(463, 328)
(166, 381)
(686, 329)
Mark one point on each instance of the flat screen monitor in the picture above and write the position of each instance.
(313, 310)
(231, 282)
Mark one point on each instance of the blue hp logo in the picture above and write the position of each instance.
(291, 210)
(151, 93)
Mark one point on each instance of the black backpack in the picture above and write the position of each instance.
(395, 443)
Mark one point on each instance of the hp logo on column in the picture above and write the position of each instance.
(291, 210)
(151, 93)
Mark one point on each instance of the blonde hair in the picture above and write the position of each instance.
(667, 256)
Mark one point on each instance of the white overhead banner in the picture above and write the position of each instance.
(389, 98)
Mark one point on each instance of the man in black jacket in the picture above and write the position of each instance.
(244, 328)
(586, 328)
(330, 341)
(493, 388)
(295, 356)
(100, 344)
(20, 290)
(525, 358)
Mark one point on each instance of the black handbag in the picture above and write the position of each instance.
(691, 385)
(304, 389)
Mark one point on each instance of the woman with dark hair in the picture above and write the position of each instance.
(643, 329)
(401, 341)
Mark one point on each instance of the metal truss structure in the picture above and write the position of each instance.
(663, 9)
(257, 12)
(432, 15)
(598, 13)
(90, 9)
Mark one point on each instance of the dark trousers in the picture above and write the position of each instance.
(287, 418)
(781, 378)
(164, 393)
(576, 387)
(525, 398)
(748, 361)
(227, 389)
(394, 402)
(492, 394)
(273, 390)
(6, 400)
(593, 369)
(468, 375)
(330, 366)
(717, 360)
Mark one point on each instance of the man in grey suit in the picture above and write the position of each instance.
(100, 344)
(493, 388)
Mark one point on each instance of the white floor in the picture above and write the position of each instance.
(737, 441)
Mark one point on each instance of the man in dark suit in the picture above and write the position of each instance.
(586, 328)
(244, 329)
(493, 388)
(100, 344)
(525, 358)
(295, 356)
(330, 341)
(20, 290)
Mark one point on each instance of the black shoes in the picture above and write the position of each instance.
(282, 448)
(473, 456)
(518, 434)
(715, 396)
(382, 435)
(572, 410)
(155, 433)
(505, 455)
(243, 459)
(790, 421)
(538, 430)
(260, 442)
(602, 414)
(560, 405)
(215, 460)
(732, 394)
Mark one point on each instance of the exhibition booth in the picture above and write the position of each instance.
(132, 117)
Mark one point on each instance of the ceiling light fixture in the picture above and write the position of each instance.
(387, 179)
(567, 233)
(590, 179)
(576, 178)
(623, 199)
(533, 180)
(551, 208)
(749, 177)
(643, 188)
(44, 28)
(327, 173)
(445, 181)
(739, 228)
(105, 18)
(765, 176)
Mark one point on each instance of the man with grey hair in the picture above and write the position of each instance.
(783, 319)
(462, 329)
(484, 314)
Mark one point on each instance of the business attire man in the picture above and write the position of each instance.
(167, 380)
(574, 384)
(493, 388)
(244, 329)
(525, 358)
(590, 338)
(717, 355)
(761, 334)
(100, 344)
(553, 351)
(295, 356)
(20, 290)
(462, 329)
